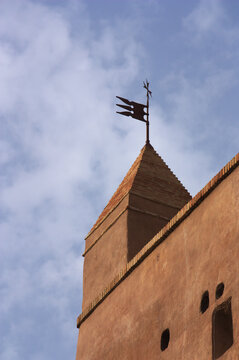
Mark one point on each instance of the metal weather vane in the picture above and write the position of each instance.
(136, 110)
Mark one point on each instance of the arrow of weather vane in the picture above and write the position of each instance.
(136, 110)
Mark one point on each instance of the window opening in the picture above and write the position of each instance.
(219, 290)
(222, 329)
(204, 302)
(165, 339)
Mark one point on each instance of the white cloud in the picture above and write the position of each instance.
(63, 151)
(56, 91)
(9, 353)
(207, 16)
(211, 19)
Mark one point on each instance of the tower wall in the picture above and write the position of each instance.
(165, 290)
(107, 253)
(146, 217)
(148, 197)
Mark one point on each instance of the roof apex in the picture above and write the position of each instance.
(149, 176)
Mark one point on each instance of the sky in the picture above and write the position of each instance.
(64, 150)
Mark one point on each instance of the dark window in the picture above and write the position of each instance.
(222, 329)
(219, 290)
(165, 339)
(204, 302)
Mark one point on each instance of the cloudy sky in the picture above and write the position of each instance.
(63, 150)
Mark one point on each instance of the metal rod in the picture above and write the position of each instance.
(146, 86)
(147, 123)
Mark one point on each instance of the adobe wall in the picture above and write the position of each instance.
(108, 255)
(120, 236)
(145, 218)
(165, 290)
(141, 228)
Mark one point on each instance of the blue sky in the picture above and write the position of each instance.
(63, 150)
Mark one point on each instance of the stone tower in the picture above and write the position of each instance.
(148, 197)
(160, 269)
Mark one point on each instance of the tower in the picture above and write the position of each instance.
(148, 197)
(161, 274)
(177, 297)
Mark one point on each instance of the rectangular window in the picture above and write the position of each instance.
(222, 329)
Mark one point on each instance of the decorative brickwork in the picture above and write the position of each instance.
(148, 172)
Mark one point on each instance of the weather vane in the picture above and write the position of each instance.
(136, 110)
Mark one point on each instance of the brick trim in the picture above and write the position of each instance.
(104, 231)
(153, 200)
(128, 207)
(105, 217)
(147, 213)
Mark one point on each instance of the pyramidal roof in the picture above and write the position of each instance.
(149, 177)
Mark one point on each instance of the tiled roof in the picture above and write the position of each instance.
(161, 236)
(150, 177)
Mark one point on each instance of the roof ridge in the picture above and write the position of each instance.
(171, 171)
(102, 218)
(153, 170)
(132, 181)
